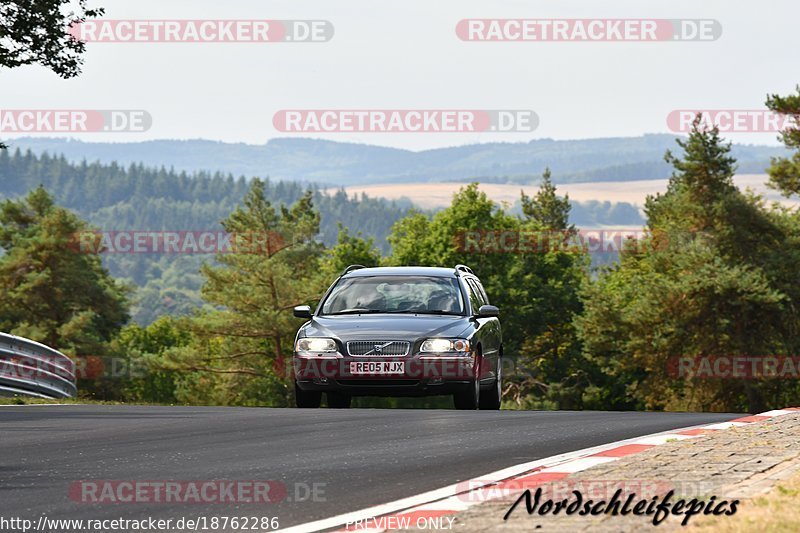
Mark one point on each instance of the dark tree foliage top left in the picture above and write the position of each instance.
(37, 32)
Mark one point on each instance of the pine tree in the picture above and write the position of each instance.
(242, 348)
(546, 208)
(714, 286)
(50, 289)
(784, 173)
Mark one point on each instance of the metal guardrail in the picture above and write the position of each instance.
(29, 368)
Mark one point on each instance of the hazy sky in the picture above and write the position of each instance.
(406, 55)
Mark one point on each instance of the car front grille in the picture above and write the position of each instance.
(378, 348)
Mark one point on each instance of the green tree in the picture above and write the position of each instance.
(536, 290)
(406, 238)
(37, 32)
(439, 241)
(710, 282)
(241, 351)
(134, 370)
(550, 366)
(349, 250)
(50, 290)
(784, 173)
(546, 208)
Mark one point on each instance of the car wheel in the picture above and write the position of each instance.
(307, 399)
(469, 399)
(490, 400)
(339, 401)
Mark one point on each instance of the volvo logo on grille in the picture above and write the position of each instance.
(366, 348)
(379, 347)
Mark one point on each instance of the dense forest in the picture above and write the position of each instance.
(137, 198)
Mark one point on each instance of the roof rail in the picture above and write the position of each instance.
(464, 268)
(351, 268)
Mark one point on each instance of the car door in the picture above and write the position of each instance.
(496, 332)
(489, 332)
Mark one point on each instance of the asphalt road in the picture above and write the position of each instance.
(352, 458)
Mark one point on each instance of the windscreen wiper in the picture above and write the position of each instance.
(435, 312)
(355, 312)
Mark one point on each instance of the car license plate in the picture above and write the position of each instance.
(377, 368)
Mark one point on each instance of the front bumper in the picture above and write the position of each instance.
(423, 375)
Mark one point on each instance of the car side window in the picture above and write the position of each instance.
(475, 295)
(482, 291)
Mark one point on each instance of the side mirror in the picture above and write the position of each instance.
(302, 311)
(487, 311)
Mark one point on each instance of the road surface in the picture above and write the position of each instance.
(331, 461)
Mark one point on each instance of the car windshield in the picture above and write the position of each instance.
(395, 294)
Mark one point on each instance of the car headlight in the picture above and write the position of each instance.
(445, 346)
(315, 344)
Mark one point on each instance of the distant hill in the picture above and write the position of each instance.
(338, 163)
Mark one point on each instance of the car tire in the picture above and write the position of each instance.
(469, 399)
(490, 400)
(338, 401)
(307, 399)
